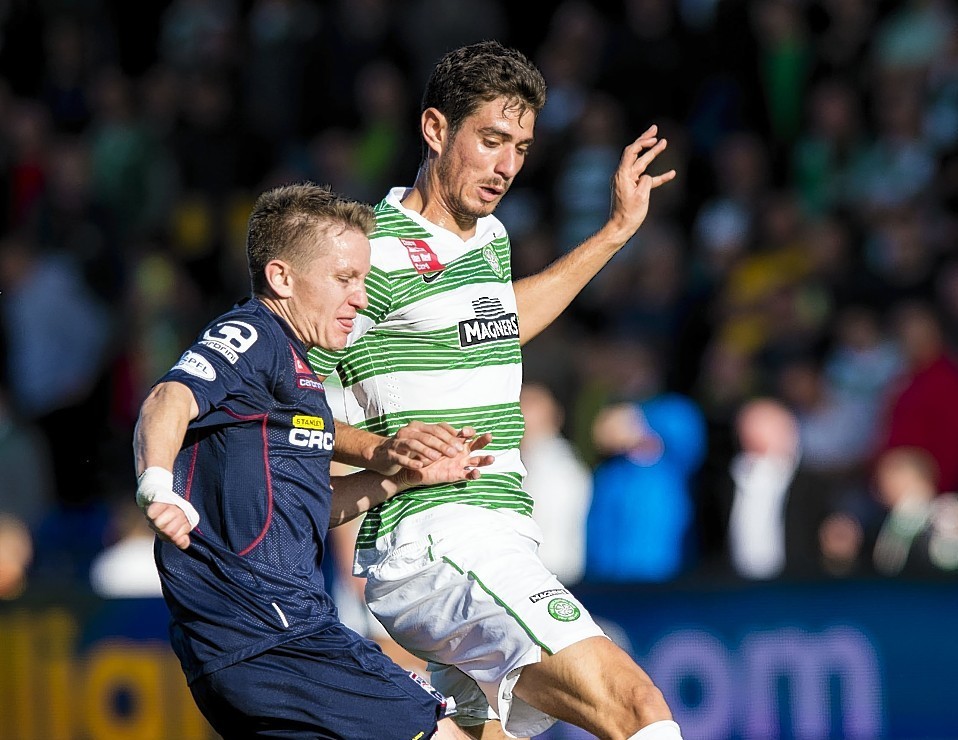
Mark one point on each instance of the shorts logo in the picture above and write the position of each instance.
(197, 365)
(535, 598)
(427, 687)
(563, 610)
(230, 339)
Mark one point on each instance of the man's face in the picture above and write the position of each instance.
(331, 290)
(479, 163)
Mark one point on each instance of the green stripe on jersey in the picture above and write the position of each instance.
(491, 491)
(407, 286)
(383, 352)
(413, 364)
(503, 421)
(393, 222)
(391, 292)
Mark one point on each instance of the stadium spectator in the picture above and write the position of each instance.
(641, 523)
(778, 505)
(49, 310)
(28, 490)
(558, 480)
(919, 533)
(16, 556)
(124, 568)
(762, 474)
(918, 412)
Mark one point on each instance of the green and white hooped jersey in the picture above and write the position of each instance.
(438, 342)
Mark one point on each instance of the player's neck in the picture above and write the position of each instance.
(428, 203)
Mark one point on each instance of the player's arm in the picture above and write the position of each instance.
(157, 437)
(545, 295)
(359, 492)
(413, 446)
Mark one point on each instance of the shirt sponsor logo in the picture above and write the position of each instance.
(305, 378)
(230, 339)
(422, 257)
(308, 422)
(480, 331)
(310, 384)
(492, 324)
(431, 277)
(546, 594)
(311, 438)
(197, 365)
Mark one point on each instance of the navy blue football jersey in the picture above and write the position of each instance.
(255, 464)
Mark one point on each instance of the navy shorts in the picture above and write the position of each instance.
(334, 684)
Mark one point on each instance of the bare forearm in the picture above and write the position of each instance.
(161, 426)
(542, 297)
(359, 492)
(413, 445)
(356, 447)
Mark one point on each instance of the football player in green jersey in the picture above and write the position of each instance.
(452, 571)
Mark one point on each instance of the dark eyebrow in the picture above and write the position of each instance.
(495, 131)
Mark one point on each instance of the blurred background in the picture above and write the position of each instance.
(742, 437)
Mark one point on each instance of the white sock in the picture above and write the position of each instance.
(664, 729)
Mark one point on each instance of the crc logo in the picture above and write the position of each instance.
(230, 339)
(311, 438)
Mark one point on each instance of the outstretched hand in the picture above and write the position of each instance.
(632, 185)
(417, 444)
(464, 465)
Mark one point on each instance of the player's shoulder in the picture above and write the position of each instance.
(250, 313)
(248, 329)
(394, 236)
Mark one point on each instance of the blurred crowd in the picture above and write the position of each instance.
(763, 384)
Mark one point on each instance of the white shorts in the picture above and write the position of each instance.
(472, 597)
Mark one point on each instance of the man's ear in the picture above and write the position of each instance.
(435, 130)
(279, 278)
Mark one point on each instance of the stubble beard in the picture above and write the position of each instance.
(461, 211)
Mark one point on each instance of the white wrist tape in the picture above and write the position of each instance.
(155, 485)
(664, 729)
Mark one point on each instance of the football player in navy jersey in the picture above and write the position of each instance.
(232, 450)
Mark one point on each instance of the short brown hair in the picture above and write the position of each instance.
(469, 76)
(288, 222)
